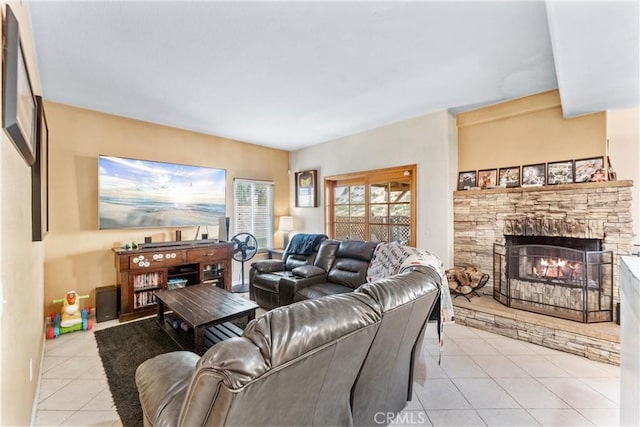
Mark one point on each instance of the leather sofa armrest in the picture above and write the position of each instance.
(290, 285)
(162, 382)
(268, 265)
(225, 367)
(307, 271)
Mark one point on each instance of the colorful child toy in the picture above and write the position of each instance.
(70, 318)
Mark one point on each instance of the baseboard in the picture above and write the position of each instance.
(34, 406)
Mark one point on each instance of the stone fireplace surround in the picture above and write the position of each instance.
(599, 210)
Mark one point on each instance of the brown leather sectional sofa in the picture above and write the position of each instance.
(336, 360)
(338, 267)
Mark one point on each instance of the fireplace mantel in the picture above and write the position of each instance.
(544, 188)
(584, 210)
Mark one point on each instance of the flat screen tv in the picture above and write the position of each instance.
(143, 194)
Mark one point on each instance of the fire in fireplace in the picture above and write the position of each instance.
(563, 277)
(561, 269)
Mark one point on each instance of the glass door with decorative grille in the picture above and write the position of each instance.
(373, 205)
(390, 211)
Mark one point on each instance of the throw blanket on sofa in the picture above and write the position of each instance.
(392, 258)
(305, 244)
(430, 260)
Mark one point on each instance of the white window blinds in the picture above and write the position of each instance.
(253, 210)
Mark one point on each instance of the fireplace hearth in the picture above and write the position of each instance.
(573, 281)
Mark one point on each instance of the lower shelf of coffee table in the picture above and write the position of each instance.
(218, 333)
(184, 339)
(212, 335)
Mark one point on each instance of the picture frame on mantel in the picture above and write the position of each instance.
(487, 178)
(560, 172)
(466, 180)
(533, 175)
(307, 189)
(19, 104)
(586, 168)
(509, 177)
(40, 177)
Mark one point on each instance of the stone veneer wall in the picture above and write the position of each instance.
(598, 210)
(553, 333)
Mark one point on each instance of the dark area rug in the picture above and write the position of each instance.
(122, 348)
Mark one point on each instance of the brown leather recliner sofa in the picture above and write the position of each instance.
(338, 267)
(265, 276)
(385, 382)
(350, 366)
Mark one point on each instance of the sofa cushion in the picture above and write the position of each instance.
(327, 254)
(348, 272)
(356, 249)
(321, 290)
(308, 271)
(295, 260)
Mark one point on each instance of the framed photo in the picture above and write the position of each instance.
(560, 172)
(509, 177)
(533, 175)
(467, 180)
(307, 189)
(40, 177)
(590, 169)
(19, 105)
(487, 178)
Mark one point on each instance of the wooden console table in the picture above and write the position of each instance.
(142, 272)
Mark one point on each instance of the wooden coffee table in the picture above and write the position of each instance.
(201, 306)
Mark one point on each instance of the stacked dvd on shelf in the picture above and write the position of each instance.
(147, 280)
(143, 299)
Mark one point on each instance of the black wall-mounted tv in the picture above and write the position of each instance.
(143, 194)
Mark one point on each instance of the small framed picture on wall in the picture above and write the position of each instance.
(509, 177)
(533, 175)
(487, 178)
(467, 180)
(306, 189)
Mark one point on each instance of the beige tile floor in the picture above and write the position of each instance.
(483, 380)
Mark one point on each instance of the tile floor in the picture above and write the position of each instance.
(483, 380)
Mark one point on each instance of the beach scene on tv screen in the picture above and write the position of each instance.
(140, 193)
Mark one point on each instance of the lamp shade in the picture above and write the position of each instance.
(286, 223)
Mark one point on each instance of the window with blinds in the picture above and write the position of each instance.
(374, 205)
(253, 210)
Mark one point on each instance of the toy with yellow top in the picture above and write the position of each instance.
(71, 318)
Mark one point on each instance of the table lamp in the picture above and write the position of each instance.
(285, 225)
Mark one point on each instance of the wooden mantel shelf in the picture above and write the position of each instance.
(559, 187)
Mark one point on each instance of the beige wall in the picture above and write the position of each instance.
(77, 254)
(21, 330)
(623, 133)
(525, 131)
(532, 130)
(428, 141)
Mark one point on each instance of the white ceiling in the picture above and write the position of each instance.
(292, 74)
